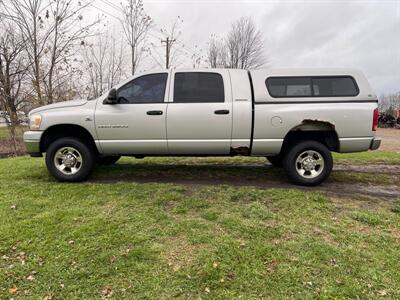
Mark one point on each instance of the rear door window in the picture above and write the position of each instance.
(198, 87)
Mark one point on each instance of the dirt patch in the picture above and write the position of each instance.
(357, 202)
(331, 188)
(390, 139)
(179, 253)
(391, 192)
(382, 169)
(325, 236)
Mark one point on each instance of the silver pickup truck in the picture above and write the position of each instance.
(293, 117)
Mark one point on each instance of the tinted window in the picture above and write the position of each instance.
(334, 86)
(145, 89)
(321, 86)
(198, 87)
(289, 86)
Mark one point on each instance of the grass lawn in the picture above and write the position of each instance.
(121, 239)
(5, 133)
(377, 157)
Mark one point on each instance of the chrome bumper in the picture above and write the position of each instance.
(375, 143)
(32, 143)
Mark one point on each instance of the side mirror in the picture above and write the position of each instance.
(112, 97)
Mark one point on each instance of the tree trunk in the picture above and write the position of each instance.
(133, 59)
(12, 127)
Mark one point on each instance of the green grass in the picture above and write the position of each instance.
(162, 241)
(5, 133)
(377, 157)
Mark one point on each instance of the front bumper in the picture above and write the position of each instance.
(32, 143)
(375, 143)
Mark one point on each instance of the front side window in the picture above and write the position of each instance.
(319, 86)
(198, 87)
(145, 89)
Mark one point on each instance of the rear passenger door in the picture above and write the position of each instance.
(199, 114)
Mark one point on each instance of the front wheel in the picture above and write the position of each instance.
(69, 159)
(308, 163)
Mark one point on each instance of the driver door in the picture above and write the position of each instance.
(136, 125)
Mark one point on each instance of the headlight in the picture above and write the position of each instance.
(35, 121)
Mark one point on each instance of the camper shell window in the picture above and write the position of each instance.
(312, 86)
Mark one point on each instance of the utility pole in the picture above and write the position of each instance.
(168, 43)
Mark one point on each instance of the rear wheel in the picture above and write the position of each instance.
(308, 163)
(107, 160)
(69, 159)
(276, 161)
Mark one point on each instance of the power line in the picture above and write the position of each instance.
(111, 5)
(155, 59)
(154, 36)
(187, 47)
(106, 12)
(168, 41)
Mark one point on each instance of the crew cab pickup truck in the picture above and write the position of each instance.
(293, 117)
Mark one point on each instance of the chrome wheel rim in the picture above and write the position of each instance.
(68, 160)
(310, 164)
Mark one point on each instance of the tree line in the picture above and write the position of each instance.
(54, 50)
(389, 103)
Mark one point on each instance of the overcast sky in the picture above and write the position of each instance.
(314, 33)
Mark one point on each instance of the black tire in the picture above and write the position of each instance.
(86, 154)
(276, 161)
(317, 150)
(107, 160)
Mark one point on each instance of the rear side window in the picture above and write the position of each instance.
(198, 87)
(321, 86)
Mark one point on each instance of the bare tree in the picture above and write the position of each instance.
(136, 24)
(242, 48)
(197, 57)
(217, 53)
(104, 63)
(51, 28)
(390, 102)
(64, 17)
(26, 15)
(213, 54)
(13, 68)
(245, 46)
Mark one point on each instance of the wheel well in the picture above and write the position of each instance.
(66, 130)
(320, 131)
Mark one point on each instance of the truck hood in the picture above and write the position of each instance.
(59, 105)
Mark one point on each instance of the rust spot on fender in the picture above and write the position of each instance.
(314, 124)
(240, 151)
